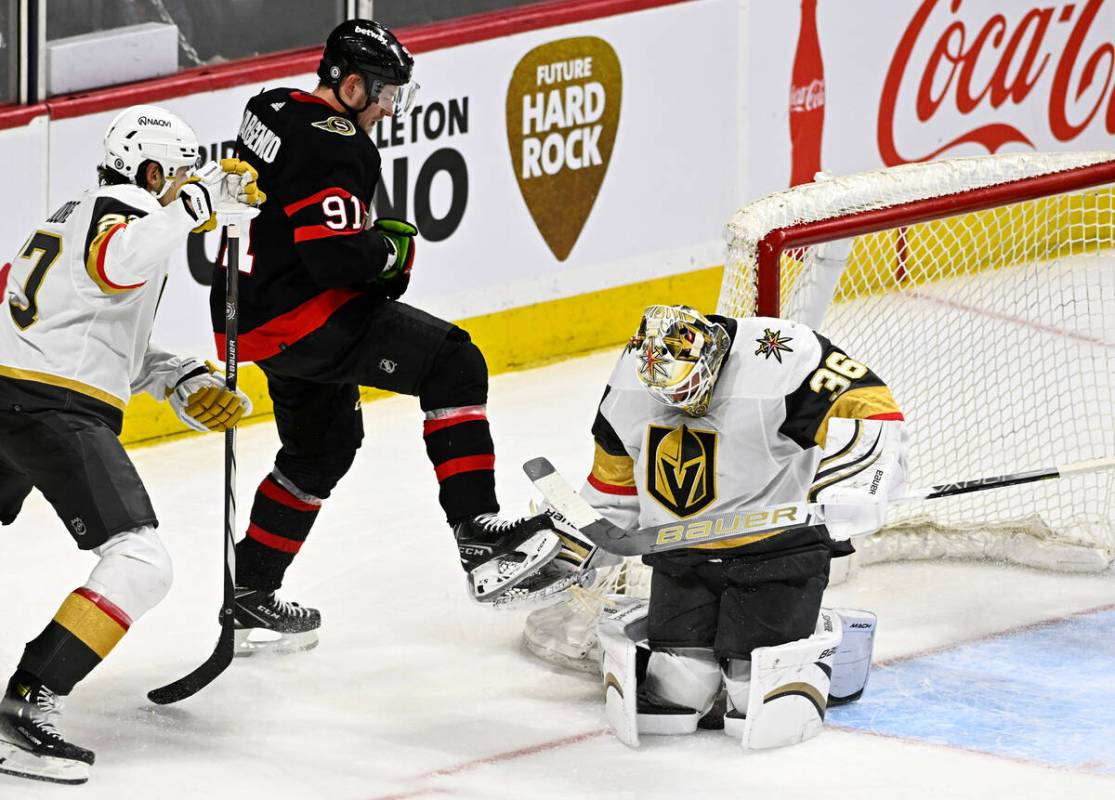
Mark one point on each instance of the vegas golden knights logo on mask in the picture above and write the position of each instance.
(681, 468)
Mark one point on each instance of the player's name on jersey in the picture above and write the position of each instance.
(258, 138)
(426, 122)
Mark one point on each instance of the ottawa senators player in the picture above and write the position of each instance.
(77, 305)
(319, 315)
(707, 415)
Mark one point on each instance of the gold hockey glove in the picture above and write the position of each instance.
(204, 403)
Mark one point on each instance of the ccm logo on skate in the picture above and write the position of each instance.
(474, 550)
(695, 531)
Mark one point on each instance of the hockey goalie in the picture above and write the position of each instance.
(712, 414)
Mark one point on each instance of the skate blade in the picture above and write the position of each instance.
(25, 764)
(265, 642)
(492, 578)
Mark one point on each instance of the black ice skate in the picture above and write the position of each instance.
(267, 625)
(30, 745)
(499, 554)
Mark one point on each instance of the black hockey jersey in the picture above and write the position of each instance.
(310, 251)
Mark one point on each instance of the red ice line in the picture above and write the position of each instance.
(497, 758)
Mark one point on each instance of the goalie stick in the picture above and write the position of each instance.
(751, 522)
(221, 657)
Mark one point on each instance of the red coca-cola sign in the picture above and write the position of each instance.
(959, 59)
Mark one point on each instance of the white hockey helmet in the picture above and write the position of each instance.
(149, 133)
(678, 355)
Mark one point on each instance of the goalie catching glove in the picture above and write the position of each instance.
(202, 401)
(398, 235)
(863, 466)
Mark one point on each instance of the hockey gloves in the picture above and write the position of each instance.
(233, 184)
(202, 401)
(399, 238)
(199, 206)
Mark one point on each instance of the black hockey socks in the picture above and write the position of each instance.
(459, 444)
(280, 522)
(82, 633)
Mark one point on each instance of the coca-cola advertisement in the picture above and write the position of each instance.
(886, 82)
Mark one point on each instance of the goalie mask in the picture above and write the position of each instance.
(678, 355)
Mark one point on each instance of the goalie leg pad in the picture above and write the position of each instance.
(618, 635)
(737, 683)
(852, 660)
(789, 688)
(684, 676)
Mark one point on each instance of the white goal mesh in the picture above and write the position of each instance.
(983, 291)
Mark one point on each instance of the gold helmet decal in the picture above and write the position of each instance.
(562, 116)
(681, 468)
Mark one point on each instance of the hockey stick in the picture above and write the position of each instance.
(221, 657)
(748, 524)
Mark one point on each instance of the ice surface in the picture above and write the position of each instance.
(415, 692)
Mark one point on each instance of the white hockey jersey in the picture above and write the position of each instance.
(81, 297)
(756, 446)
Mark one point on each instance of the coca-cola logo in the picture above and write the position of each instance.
(1011, 57)
(808, 97)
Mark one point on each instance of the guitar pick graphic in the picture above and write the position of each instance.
(562, 115)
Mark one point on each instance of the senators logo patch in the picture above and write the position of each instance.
(681, 468)
(338, 125)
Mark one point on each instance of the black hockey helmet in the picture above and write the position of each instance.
(368, 48)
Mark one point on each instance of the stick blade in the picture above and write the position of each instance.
(189, 685)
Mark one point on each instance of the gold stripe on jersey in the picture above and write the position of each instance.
(109, 224)
(612, 470)
(64, 383)
(862, 403)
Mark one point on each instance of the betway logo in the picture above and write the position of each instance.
(379, 37)
(987, 57)
(162, 123)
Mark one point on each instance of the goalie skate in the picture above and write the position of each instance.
(500, 554)
(30, 745)
(266, 625)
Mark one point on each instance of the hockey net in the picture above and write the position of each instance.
(982, 290)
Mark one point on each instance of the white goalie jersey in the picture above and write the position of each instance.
(81, 296)
(757, 445)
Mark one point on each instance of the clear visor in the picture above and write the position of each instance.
(397, 100)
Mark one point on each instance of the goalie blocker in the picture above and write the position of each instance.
(777, 698)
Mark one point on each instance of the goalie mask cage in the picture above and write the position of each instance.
(982, 290)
